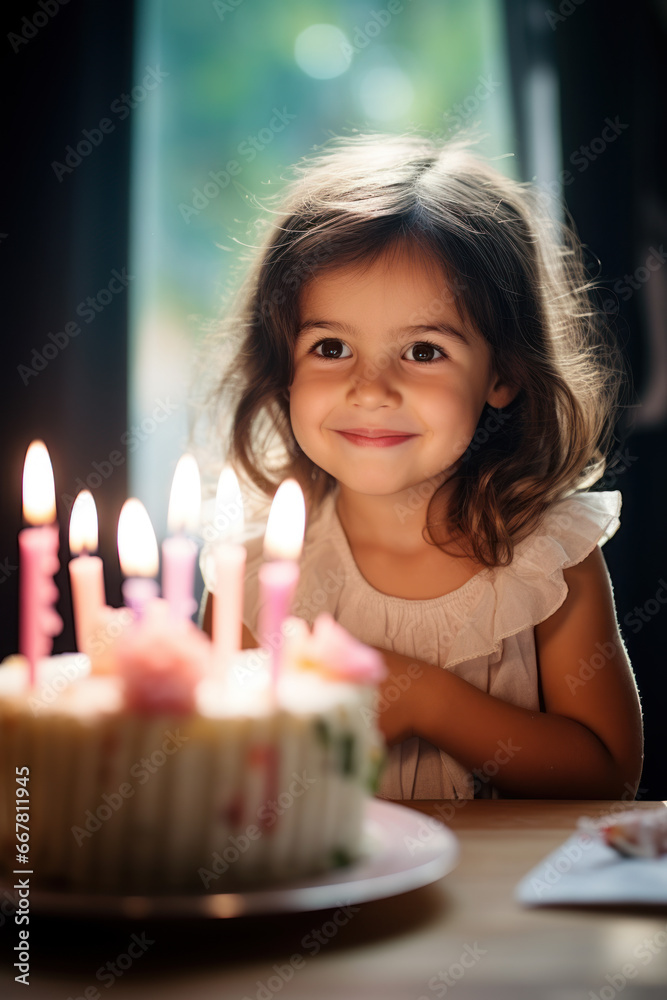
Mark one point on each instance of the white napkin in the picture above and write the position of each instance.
(585, 870)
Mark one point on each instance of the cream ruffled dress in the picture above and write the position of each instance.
(484, 631)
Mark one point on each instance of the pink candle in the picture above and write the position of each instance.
(179, 553)
(278, 582)
(38, 554)
(137, 551)
(86, 571)
(278, 579)
(138, 592)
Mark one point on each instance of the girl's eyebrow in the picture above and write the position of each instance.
(444, 328)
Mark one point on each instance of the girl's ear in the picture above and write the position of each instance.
(501, 394)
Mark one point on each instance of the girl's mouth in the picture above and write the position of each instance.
(364, 441)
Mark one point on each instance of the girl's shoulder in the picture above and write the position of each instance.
(506, 600)
(569, 531)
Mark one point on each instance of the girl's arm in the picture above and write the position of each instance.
(588, 741)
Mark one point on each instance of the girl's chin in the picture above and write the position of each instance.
(402, 489)
(380, 488)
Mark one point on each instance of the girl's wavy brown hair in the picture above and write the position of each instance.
(516, 276)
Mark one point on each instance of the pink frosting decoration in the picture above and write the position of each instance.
(331, 649)
(161, 662)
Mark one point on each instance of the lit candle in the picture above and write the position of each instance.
(86, 572)
(278, 579)
(229, 560)
(179, 553)
(138, 554)
(38, 554)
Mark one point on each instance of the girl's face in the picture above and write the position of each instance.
(389, 384)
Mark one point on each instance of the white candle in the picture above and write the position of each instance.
(283, 542)
(138, 554)
(179, 553)
(229, 561)
(86, 571)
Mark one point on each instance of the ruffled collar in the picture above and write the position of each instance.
(343, 546)
(501, 601)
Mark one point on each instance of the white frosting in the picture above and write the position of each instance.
(263, 789)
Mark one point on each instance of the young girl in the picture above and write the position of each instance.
(416, 345)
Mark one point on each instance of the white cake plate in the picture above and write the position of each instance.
(404, 850)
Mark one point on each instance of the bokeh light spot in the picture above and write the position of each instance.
(322, 51)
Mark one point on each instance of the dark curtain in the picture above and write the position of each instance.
(64, 230)
(609, 61)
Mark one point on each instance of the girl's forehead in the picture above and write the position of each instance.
(408, 278)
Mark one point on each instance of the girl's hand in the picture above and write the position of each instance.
(396, 702)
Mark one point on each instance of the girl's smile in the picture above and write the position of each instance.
(366, 438)
(388, 384)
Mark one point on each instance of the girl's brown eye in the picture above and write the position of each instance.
(331, 348)
(425, 352)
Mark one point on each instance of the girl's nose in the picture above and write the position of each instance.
(373, 383)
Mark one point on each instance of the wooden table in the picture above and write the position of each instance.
(466, 930)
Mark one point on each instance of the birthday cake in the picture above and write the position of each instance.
(163, 774)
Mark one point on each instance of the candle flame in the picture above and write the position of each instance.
(286, 524)
(83, 524)
(137, 544)
(229, 518)
(39, 492)
(185, 496)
